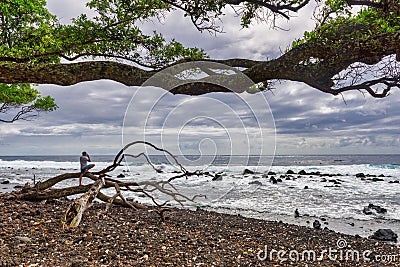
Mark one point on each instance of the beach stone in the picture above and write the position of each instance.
(302, 172)
(273, 180)
(247, 171)
(290, 172)
(316, 225)
(5, 182)
(394, 182)
(360, 175)
(296, 213)
(371, 209)
(77, 264)
(256, 182)
(217, 177)
(306, 187)
(377, 179)
(23, 238)
(271, 173)
(385, 235)
(121, 175)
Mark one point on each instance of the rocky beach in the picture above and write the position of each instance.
(31, 235)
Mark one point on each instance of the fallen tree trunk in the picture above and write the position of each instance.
(53, 181)
(49, 194)
(44, 190)
(75, 210)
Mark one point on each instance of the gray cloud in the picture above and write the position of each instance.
(91, 114)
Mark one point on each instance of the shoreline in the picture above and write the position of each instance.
(348, 226)
(31, 233)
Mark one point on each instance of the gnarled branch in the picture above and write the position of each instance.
(73, 215)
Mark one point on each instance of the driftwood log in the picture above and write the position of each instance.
(43, 191)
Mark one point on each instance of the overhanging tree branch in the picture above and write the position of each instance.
(318, 60)
(311, 63)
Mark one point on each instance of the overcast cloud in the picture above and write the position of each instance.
(91, 114)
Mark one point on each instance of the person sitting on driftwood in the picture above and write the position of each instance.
(84, 159)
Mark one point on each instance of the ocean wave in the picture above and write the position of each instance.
(385, 166)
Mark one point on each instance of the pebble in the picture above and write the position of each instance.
(139, 238)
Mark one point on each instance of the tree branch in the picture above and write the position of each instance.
(312, 63)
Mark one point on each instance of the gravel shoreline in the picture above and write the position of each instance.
(31, 235)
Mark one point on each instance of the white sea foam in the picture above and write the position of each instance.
(321, 199)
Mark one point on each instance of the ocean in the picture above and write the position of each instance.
(330, 192)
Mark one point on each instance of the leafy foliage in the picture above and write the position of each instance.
(24, 97)
(30, 34)
(26, 31)
(346, 25)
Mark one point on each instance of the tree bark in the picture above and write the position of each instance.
(74, 212)
(73, 215)
(290, 66)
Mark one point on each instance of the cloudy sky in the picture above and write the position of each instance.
(92, 114)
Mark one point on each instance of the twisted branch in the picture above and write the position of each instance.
(101, 180)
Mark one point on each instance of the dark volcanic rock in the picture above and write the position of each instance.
(121, 175)
(140, 238)
(271, 173)
(360, 175)
(217, 177)
(290, 172)
(302, 172)
(385, 235)
(316, 224)
(377, 179)
(296, 213)
(256, 182)
(247, 171)
(273, 180)
(371, 209)
(5, 182)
